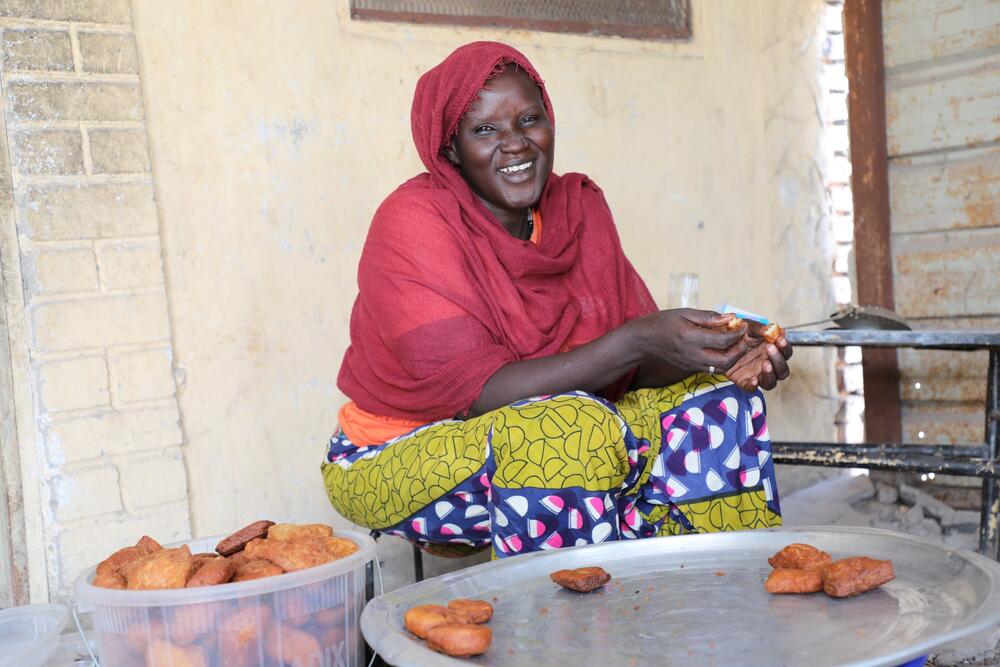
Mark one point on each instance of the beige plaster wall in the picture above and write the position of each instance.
(276, 129)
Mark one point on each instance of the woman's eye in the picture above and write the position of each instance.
(482, 129)
(527, 120)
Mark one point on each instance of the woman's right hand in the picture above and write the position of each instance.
(691, 340)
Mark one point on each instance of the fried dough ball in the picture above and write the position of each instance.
(168, 568)
(459, 640)
(734, 324)
(109, 580)
(799, 556)
(241, 634)
(582, 579)
(161, 652)
(235, 542)
(299, 554)
(852, 576)
(478, 611)
(789, 580)
(256, 569)
(420, 619)
(292, 646)
(212, 572)
(288, 532)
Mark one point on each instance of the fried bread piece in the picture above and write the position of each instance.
(459, 640)
(119, 559)
(162, 652)
(789, 580)
(852, 576)
(235, 542)
(167, 568)
(772, 333)
(299, 554)
(798, 556)
(255, 549)
(148, 545)
(734, 324)
(478, 611)
(109, 580)
(420, 619)
(582, 579)
(291, 646)
(240, 635)
(256, 569)
(291, 531)
(212, 572)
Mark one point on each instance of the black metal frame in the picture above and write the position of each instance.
(981, 460)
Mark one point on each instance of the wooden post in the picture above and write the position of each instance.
(870, 185)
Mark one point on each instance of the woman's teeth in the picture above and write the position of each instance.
(516, 168)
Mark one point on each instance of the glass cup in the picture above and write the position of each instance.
(683, 292)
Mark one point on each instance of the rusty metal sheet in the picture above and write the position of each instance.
(944, 106)
(955, 190)
(943, 388)
(947, 274)
(918, 30)
(944, 423)
(946, 375)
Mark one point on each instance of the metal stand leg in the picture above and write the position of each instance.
(989, 522)
(418, 563)
(370, 591)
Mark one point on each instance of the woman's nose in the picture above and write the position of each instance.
(513, 141)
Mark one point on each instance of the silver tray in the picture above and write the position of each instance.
(700, 600)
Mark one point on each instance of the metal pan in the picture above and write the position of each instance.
(700, 600)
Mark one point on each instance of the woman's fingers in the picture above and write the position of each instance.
(785, 347)
(778, 362)
(767, 378)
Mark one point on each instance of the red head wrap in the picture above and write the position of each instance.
(447, 296)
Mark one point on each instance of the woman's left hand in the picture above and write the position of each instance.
(764, 364)
(775, 368)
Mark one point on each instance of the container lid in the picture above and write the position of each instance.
(29, 635)
(89, 597)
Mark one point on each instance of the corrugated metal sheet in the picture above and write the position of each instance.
(943, 124)
(943, 274)
(919, 30)
(943, 105)
(929, 193)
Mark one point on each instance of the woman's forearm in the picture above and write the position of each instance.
(590, 367)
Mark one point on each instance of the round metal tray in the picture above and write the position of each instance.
(700, 600)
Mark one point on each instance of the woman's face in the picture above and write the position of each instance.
(504, 144)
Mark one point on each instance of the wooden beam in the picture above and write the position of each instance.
(870, 185)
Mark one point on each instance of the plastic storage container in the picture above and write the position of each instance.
(29, 635)
(307, 618)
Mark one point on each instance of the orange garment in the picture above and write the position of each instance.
(365, 428)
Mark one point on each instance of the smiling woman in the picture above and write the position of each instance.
(515, 386)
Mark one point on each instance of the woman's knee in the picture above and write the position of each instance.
(566, 440)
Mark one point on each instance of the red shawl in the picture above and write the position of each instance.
(447, 296)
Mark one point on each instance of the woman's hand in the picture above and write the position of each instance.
(690, 340)
(764, 364)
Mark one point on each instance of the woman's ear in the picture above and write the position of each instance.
(452, 154)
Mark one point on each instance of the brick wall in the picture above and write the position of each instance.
(105, 459)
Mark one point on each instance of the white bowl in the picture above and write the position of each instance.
(29, 635)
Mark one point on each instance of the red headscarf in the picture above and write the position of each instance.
(447, 296)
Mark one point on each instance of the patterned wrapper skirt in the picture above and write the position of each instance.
(566, 470)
